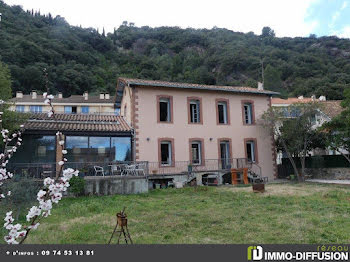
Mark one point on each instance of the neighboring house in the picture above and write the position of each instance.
(327, 110)
(206, 127)
(75, 104)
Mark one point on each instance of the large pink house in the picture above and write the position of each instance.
(180, 126)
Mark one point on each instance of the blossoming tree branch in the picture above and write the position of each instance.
(49, 194)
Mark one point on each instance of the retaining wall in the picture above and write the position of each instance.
(111, 185)
(329, 173)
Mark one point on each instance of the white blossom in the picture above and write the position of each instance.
(34, 211)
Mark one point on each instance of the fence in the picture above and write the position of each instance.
(326, 161)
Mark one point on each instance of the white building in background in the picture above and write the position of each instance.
(102, 104)
(327, 111)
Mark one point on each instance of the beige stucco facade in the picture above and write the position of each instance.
(141, 111)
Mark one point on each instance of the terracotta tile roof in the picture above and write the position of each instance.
(289, 101)
(78, 122)
(331, 108)
(234, 89)
(75, 99)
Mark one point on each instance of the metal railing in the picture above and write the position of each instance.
(137, 168)
(206, 165)
(71, 113)
(42, 170)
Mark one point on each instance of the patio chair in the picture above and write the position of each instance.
(140, 169)
(99, 170)
(46, 171)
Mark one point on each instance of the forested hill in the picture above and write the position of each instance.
(80, 59)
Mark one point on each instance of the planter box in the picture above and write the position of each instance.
(259, 188)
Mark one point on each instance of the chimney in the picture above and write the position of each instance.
(34, 94)
(102, 96)
(322, 98)
(19, 94)
(260, 86)
(107, 96)
(86, 95)
(60, 96)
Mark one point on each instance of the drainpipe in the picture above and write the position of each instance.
(133, 145)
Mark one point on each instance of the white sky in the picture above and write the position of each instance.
(287, 18)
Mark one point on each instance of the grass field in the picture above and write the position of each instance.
(286, 213)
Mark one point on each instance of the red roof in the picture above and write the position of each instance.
(77, 122)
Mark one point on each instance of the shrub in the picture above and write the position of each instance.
(77, 185)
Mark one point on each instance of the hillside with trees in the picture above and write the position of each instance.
(79, 59)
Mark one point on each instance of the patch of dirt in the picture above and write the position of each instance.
(288, 189)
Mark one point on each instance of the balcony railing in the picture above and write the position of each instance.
(206, 165)
(139, 168)
(67, 113)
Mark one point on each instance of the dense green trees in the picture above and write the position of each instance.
(81, 59)
(5, 83)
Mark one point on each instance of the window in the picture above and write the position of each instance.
(196, 151)
(36, 149)
(117, 111)
(222, 112)
(251, 151)
(121, 148)
(248, 113)
(36, 109)
(166, 153)
(84, 109)
(20, 109)
(125, 111)
(164, 109)
(195, 108)
(70, 109)
(225, 153)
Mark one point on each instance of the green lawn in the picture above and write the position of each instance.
(286, 213)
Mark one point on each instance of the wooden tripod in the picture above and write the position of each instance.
(122, 222)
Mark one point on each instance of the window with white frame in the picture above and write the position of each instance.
(222, 112)
(250, 150)
(164, 110)
(196, 152)
(248, 113)
(166, 153)
(195, 114)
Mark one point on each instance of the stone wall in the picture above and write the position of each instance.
(329, 173)
(112, 185)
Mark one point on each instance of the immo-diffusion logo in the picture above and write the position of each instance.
(255, 252)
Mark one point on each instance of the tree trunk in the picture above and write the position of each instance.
(347, 157)
(290, 159)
